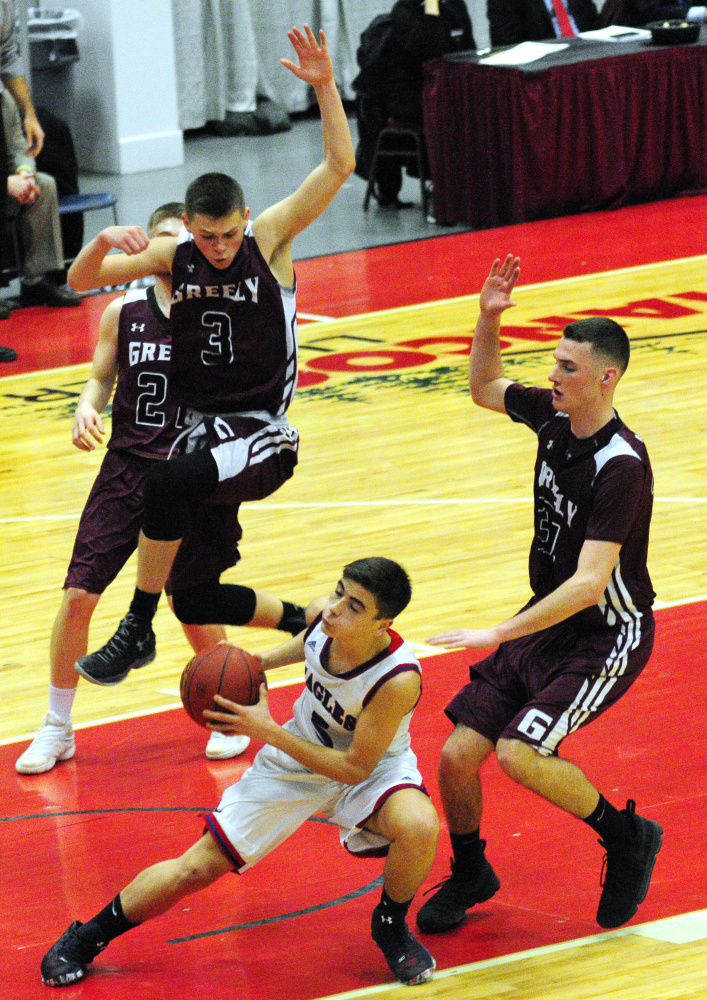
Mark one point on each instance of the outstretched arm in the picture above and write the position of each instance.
(88, 424)
(96, 266)
(277, 226)
(486, 381)
(582, 590)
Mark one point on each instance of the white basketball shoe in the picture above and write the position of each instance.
(53, 742)
(222, 747)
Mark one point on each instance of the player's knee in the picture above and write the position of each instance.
(197, 605)
(455, 760)
(194, 874)
(79, 603)
(421, 829)
(215, 603)
(516, 759)
(199, 866)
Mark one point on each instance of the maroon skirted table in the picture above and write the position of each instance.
(596, 126)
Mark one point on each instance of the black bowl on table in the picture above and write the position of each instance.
(674, 32)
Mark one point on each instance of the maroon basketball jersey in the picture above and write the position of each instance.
(599, 489)
(234, 333)
(142, 418)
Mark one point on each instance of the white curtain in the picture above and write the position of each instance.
(228, 51)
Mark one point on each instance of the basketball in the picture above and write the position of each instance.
(225, 670)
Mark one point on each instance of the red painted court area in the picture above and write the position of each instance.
(297, 926)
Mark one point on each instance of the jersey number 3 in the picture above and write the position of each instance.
(221, 340)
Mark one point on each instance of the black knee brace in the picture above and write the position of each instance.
(169, 489)
(214, 603)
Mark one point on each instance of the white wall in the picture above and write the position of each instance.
(126, 89)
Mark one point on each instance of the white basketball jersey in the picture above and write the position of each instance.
(327, 710)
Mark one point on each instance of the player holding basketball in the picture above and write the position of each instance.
(345, 753)
(134, 346)
(234, 358)
(587, 632)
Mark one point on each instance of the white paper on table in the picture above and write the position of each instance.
(616, 33)
(522, 54)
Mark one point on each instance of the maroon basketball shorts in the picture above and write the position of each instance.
(542, 687)
(110, 526)
(254, 456)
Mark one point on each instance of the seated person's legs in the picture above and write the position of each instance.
(43, 252)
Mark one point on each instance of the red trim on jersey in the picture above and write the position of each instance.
(401, 668)
(225, 845)
(395, 643)
(381, 852)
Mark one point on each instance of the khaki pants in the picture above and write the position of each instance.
(40, 230)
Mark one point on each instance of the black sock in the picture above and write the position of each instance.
(609, 823)
(293, 619)
(144, 605)
(468, 851)
(110, 923)
(389, 914)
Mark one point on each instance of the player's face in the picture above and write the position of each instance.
(218, 239)
(576, 378)
(351, 613)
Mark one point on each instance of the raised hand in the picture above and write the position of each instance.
(314, 60)
(496, 293)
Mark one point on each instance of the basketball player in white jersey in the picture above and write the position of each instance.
(345, 754)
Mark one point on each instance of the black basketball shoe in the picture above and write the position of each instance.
(133, 645)
(407, 959)
(65, 962)
(455, 895)
(627, 869)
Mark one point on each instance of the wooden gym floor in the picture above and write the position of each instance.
(394, 461)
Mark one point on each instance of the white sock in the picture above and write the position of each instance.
(60, 701)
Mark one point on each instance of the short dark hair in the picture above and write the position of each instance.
(170, 210)
(214, 195)
(385, 579)
(606, 337)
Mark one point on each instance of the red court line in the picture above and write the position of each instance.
(651, 747)
(409, 273)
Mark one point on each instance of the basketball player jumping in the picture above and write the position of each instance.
(134, 347)
(234, 359)
(346, 753)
